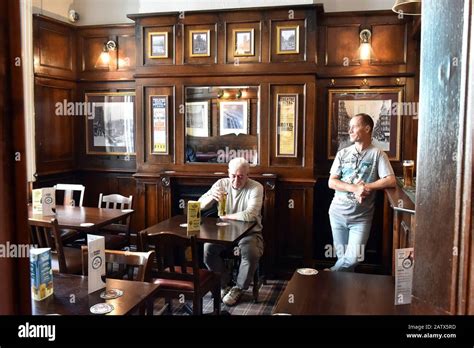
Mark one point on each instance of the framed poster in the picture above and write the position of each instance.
(234, 117)
(197, 119)
(158, 45)
(243, 42)
(110, 128)
(287, 125)
(288, 39)
(159, 126)
(382, 104)
(199, 43)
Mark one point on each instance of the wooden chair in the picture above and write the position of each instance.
(47, 235)
(131, 265)
(69, 235)
(176, 275)
(117, 235)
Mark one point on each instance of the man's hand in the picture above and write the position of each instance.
(361, 191)
(217, 194)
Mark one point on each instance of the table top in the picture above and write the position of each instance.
(69, 287)
(343, 293)
(209, 231)
(73, 217)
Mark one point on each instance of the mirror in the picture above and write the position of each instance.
(222, 123)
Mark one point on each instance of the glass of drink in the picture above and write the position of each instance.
(221, 206)
(408, 169)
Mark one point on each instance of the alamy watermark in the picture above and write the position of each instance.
(357, 251)
(402, 109)
(15, 250)
(68, 108)
(227, 154)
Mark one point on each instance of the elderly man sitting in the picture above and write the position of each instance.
(244, 202)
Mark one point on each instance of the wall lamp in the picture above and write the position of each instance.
(104, 57)
(407, 7)
(365, 52)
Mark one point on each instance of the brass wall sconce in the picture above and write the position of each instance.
(104, 58)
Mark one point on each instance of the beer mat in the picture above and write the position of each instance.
(307, 271)
(222, 224)
(86, 224)
(183, 225)
(281, 314)
(110, 294)
(127, 210)
(101, 308)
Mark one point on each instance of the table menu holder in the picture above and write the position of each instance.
(403, 275)
(44, 201)
(41, 273)
(194, 216)
(96, 262)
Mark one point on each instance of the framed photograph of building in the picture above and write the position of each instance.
(199, 43)
(234, 117)
(382, 104)
(197, 119)
(287, 125)
(110, 128)
(158, 45)
(243, 42)
(159, 119)
(288, 39)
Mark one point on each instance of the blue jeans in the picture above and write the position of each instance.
(349, 241)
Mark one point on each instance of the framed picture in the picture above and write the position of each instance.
(288, 39)
(199, 43)
(382, 104)
(158, 45)
(234, 117)
(287, 125)
(243, 42)
(110, 129)
(197, 119)
(159, 119)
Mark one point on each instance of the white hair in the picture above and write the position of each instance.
(237, 163)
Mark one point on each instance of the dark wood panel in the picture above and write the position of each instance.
(342, 45)
(54, 48)
(396, 35)
(126, 57)
(55, 147)
(92, 48)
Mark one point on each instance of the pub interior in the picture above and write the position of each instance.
(144, 104)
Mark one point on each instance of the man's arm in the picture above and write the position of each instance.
(211, 196)
(387, 182)
(253, 209)
(336, 184)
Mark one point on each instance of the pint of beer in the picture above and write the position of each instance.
(408, 169)
(221, 207)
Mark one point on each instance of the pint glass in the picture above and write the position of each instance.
(408, 169)
(221, 207)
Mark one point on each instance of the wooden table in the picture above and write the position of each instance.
(209, 231)
(68, 286)
(342, 293)
(72, 217)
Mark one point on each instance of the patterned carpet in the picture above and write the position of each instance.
(268, 296)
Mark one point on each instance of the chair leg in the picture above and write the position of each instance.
(170, 306)
(197, 305)
(256, 284)
(216, 295)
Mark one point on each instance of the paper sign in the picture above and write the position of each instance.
(194, 216)
(96, 262)
(44, 201)
(41, 273)
(403, 275)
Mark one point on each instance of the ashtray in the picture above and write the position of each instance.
(110, 294)
(101, 308)
(307, 271)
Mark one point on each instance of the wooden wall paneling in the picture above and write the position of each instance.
(396, 35)
(54, 48)
(55, 145)
(104, 162)
(342, 50)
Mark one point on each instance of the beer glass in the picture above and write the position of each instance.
(408, 169)
(221, 205)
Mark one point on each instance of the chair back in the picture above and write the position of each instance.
(115, 201)
(69, 190)
(124, 264)
(47, 235)
(176, 256)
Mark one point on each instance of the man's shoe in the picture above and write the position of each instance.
(224, 291)
(232, 296)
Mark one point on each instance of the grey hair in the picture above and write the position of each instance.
(237, 163)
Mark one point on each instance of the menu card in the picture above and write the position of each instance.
(96, 262)
(403, 275)
(194, 216)
(41, 273)
(44, 201)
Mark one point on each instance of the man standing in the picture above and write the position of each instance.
(357, 171)
(244, 202)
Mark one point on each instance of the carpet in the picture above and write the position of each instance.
(267, 298)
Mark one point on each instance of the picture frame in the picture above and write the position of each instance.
(287, 125)
(158, 45)
(382, 104)
(288, 39)
(199, 43)
(110, 129)
(243, 42)
(197, 119)
(234, 117)
(159, 124)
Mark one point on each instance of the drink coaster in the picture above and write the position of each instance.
(307, 271)
(101, 308)
(110, 294)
